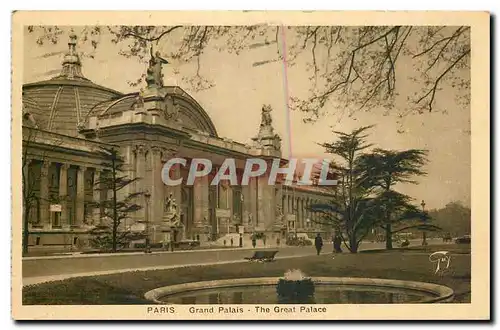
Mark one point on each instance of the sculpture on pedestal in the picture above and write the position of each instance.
(154, 77)
(172, 213)
(266, 136)
(266, 119)
(170, 204)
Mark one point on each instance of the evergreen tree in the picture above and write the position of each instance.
(351, 210)
(385, 169)
(108, 235)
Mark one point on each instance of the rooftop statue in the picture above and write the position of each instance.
(154, 77)
(266, 116)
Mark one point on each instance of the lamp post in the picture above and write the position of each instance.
(424, 234)
(147, 195)
(172, 237)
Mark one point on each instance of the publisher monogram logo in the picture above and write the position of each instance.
(442, 259)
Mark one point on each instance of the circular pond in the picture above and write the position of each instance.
(328, 290)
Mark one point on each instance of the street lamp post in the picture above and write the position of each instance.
(172, 237)
(424, 233)
(147, 195)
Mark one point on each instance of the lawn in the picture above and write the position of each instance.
(129, 288)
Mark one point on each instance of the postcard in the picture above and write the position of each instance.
(250, 165)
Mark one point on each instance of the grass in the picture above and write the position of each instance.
(128, 288)
(42, 253)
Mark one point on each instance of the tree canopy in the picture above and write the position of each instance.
(365, 197)
(390, 69)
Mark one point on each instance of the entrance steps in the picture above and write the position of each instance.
(247, 241)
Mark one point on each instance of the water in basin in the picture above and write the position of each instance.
(324, 294)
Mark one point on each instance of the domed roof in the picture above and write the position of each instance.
(191, 114)
(60, 104)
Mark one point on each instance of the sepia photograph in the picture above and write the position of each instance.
(237, 167)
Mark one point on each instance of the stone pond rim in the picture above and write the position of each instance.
(441, 293)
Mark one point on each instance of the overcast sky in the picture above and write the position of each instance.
(240, 90)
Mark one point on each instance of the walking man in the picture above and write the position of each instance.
(318, 243)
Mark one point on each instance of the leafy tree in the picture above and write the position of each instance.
(386, 169)
(454, 218)
(358, 67)
(107, 235)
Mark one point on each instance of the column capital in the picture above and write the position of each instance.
(82, 168)
(46, 164)
(65, 166)
(168, 153)
(140, 149)
(28, 161)
(156, 150)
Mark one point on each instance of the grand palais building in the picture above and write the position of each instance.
(68, 119)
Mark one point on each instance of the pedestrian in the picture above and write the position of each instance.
(337, 243)
(278, 241)
(264, 240)
(254, 242)
(232, 242)
(224, 242)
(241, 240)
(318, 243)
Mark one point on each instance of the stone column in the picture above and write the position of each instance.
(298, 213)
(279, 201)
(27, 187)
(44, 195)
(97, 197)
(306, 211)
(315, 214)
(266, 203)
(229, 204)
(247, 206)
(253, 203)
(286, 209)
(140, 161)
(201, 206)
(129, 168)
(156, 200)
(80, 196)
(63, 193)
(175, 174)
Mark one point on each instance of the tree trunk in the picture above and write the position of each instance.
(25, 232)
(388, 236)
(353, 244)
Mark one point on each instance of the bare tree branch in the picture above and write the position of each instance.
(157, 38)
(432, 91)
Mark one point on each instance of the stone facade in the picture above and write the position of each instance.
(149, 128)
